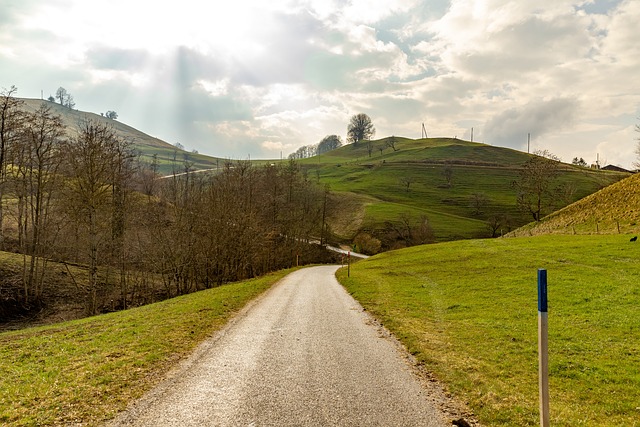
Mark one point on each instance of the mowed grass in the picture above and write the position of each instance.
(468, 311)
(86, 371)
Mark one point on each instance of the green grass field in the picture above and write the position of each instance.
(476, 169)
(85, 371)
(468, 312)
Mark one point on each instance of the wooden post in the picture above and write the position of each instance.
(349, 264)
(543, 348)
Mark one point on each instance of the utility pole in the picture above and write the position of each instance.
(528, 142)
(471, 134)
(424, 131)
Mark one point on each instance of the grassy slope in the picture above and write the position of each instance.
(468, 311)
(375, 180)
(87, 370)
(477, 168)
(168, 156)
(615, 209)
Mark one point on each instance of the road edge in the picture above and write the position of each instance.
(457, 413)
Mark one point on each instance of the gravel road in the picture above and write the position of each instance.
(305, 354)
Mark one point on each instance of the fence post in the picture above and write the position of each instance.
(349, 264)
(543, 348)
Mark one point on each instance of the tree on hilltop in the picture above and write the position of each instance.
(360, 128)
(328, 143)
(391, 142)
(579, 162)
(65, 98)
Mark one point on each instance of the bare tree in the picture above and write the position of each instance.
(304, 152)
(406, 182)
(92, 160)
(535, 191)
(369, 147)
(70, 103)
(406, 232)
(35, 174)
(391, 142)
(61, 95)
(447, 172)
(11, 121)
(494, 223)
(478, 202)
(360, 128)
(579, 162)
(500, 223)
(65, 98)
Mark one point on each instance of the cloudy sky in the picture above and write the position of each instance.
(258, 78)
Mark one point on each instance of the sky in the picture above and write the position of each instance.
(258, 79)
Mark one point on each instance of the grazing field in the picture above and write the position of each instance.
(442, 179)
(468, 311)
(85, 371)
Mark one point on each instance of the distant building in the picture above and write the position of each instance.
(615, 169)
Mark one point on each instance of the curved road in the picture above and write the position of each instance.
(304, 355)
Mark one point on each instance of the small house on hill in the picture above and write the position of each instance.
(615, 169)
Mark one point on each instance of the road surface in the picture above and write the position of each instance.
(304, 355)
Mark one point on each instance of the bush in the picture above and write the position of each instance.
(367, 244)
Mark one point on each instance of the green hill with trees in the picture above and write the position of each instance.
(81, 196)
(396, 192)
(165, 157)
(391, 192)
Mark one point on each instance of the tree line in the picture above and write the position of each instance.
(88, 199)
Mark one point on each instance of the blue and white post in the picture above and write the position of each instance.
(543, 348)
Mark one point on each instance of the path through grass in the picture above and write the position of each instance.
(87, 370)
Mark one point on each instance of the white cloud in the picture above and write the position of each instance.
(539, 118)
(260, 77)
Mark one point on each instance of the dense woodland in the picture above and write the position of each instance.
(86, 200)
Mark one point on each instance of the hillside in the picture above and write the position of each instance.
(168, 156)
(458, 186)
(614, 209)
(401, 191)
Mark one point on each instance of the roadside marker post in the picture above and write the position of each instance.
(543, 348)
(349, 264)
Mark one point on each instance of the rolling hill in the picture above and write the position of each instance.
(612, 210)
(168, 157)
(457, 185)
(450, 187)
